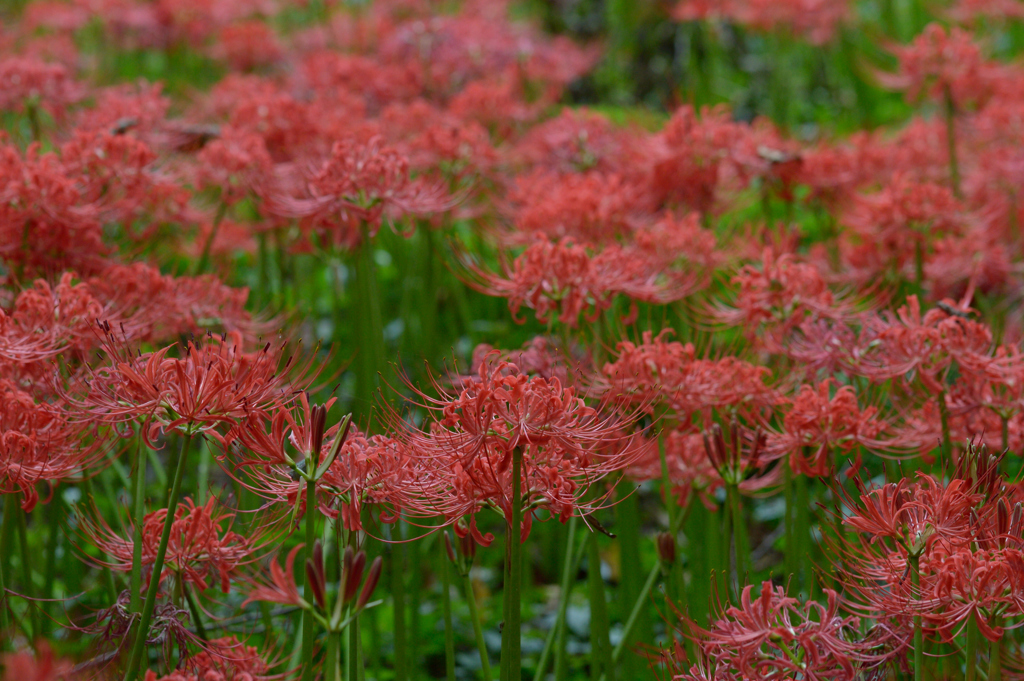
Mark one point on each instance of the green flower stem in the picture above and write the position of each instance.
(142, 633)
(446, 606)
(478, 631)
(949, 111)
(915, 580)
(995, 659)
(308, 625)
(54, 511)
(600, 645)
(1006, 432)
(789, 524)
(739, 534)
(332, 670)
(802, 514)
(512, 657)
(568, 570)
(506, 595)
(369, 329)
(138, 516)
(398, 600)
(972, 651)
(4, 623)
(947, 441)
(193, 608)
(645, 593)
(629, 532)
(355, 643)
(26, 570)
(204, 258)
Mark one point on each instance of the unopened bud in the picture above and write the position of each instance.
(315, 585)
(666, 548)
(467, 545)
(371, 583)
(317, 424)
(354, 575)
(449, 549)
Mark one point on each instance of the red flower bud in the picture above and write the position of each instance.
(371, 582)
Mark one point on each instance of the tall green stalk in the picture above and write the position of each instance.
(308, 624)
(947, 440)
(600, 645)
(331, 665)
(556, 639)
(53, 519)
(915, 580)
(204, 257)
(370, 329)
(26, 570)
(741, 548)
(627, 512)
(512, 653)
(971, 651)
(138, 516)
(995, 659)
(949, 110)
(398, 600)
(478, 631)
(193, 608)
(3, 589)
(142, 633)
(446, 606)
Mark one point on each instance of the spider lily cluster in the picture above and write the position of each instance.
(727, 386)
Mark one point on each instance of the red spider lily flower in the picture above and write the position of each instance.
(26, 81)
(819, 426)
(373, 471)
(300, 425)
(596, 208)
(814, 20)
(774, 636)
(156, 307)
(971, 11)
(281, 587)
(237, 163)
(689, 155)
(247, 45)
(46, 321)
(779, 296)
(113, 627)
(690, 471)
(580, 140)
(378, 84)
(139, 108)
(222, 659)
(672, 239)
(364, 470)
(41, 666)
(433, 139)
(916, 515)
(361, 182)
(922, 347)
(745, 461)
(971, 586)
(573, 280)
(202, 545)
(212, 384)
(467, 451)
(661, 370)
(540, 356)
(39, 444)
(945, 63)
(897, 227)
